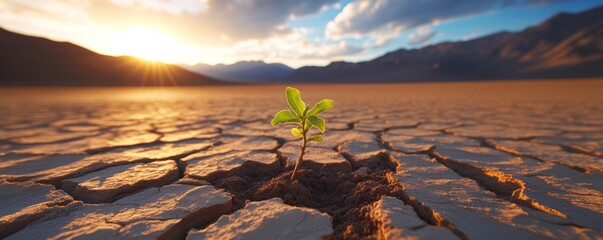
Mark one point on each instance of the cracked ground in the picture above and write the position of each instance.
(515, 160)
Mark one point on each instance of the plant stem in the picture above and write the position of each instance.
(301, 156)
(303, 150)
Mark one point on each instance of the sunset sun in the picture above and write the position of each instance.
(147, 44)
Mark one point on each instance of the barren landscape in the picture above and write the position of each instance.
(491, 160)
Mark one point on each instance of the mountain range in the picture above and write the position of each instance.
(244, 71)
(35, 61)
(564, 46)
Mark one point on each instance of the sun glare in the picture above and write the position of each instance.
(147, 44)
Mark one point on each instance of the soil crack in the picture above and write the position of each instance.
(501, 184)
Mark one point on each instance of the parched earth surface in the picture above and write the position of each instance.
(514, 160)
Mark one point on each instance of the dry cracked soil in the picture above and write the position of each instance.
(497, 160)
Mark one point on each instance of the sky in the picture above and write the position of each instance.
(294, 32)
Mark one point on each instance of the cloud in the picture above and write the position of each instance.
(211, 31)
(294, 47)
(205, 22)
(469, 36)
(217, 21)
(380, 19)
(172, 6)
(421, 36)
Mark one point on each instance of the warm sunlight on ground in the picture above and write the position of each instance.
(148, 44)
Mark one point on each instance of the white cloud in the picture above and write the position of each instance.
(172, 6)
(294, 48)
(201, 21)
(194, 31)
(384, 20)
(384, 35)
(421, 36)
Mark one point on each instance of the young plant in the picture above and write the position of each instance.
(305, 118)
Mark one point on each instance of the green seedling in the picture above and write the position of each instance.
(305, 118)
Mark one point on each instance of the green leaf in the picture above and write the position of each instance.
(307, 126)
(284, 116)
(318, 123)
(295, 101)
(316, 138)
(296, 132)
(321, 106)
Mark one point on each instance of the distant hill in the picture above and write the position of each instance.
(564, 46)
(244, 71)
(34, 61)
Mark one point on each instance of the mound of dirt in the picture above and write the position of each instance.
(347, 197)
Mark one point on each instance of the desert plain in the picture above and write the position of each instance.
(487, 160)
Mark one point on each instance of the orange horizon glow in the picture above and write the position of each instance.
(158, 71)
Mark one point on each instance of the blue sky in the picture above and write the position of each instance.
(294, 32)
(462, 29)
